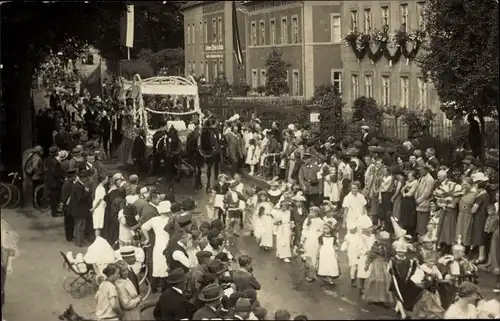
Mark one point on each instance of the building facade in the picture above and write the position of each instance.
(306, 32)
(390, 84)
(208, 40)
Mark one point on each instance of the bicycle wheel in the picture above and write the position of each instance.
(5, 195)
(145, 289)
(40, 200)
(16, 195)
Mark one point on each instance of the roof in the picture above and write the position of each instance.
(191, 4)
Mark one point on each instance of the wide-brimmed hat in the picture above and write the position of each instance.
(273, 183)
(467, 159)
(366, 127)
(63, 154)
(131, 199)
(75, 152)
(53, 150)
(127, 251)
(479, 177)
(188, 204)
(184, 219)
(376, 149)
(176, 276)
(210, 293)
(243, 305)
(364, 222)
(217, 267)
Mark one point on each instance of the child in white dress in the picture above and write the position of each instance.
(282, 221)
(366, 241)
(354, 205)
(263, 224)
(350, 245)
(331, 189)
(311, 230)
(250, 209)
(253, 155)
(328, 265)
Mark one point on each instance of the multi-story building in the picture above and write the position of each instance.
(209, 32)
(397, 84)
(308, 35)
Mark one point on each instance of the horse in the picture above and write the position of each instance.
(167, 149)
(205, 147)
(71, 315)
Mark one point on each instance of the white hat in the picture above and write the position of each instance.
(400, 246)
(298, 134)
(291, 126)
(131, 199)
(299, 197)
(364, 222)
(126, 251)
(164, 207)
(144, 190)
(117, 176)
(235, 117)
(384, 235)
(479, 177)
(365, 127)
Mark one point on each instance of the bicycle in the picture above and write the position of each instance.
(271, 164)
(40, 200)
(10, 193)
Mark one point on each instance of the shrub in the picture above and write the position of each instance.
(330, 103)
(366, 108)
(138, 66)
(261, 90)
(240, 89)
(419, 123)
(276, 75)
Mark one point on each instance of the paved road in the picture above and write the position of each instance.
(34, 289)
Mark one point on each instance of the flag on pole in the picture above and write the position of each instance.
(127, 27)
(236, 38)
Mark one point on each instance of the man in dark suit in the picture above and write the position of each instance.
(54, 177)
(173, 304)
(432, 161)
(211, 295)
(243, 277)
(79, 204)
(366, 138)
(129, 258)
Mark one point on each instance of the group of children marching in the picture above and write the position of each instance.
(280, 219)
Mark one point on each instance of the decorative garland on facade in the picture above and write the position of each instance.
(362, 44)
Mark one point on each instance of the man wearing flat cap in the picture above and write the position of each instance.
(181, 220)
(308, 179)
(173, 304)
(196, 274)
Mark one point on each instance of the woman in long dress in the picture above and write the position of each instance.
(127, 295)
(282, 219)
(312, 229)
(479, 210)
(408, 217)
(399, 182)
(99, 205)
(464, 221)
(157, 224)
(263, 221)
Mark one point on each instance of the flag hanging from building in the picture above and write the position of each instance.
(127, 27)
(236, 38)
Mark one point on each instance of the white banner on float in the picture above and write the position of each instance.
(162, 89)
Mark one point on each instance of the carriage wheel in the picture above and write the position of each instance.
(5, 195)
(75, 286)
(15, 196)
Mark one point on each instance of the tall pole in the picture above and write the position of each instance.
(128, 53)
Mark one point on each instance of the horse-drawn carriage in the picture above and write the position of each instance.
(172, 148)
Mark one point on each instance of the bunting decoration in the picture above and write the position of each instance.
(236, 38)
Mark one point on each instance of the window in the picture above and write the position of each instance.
(336, 76)
(262, 35)
(336, 32)
(255, 79)
(404, 16)
(405, 92)
(420, 13)
(220, 29)
(354, 19)
(207, 73)
(422, 93)
(215, 68)
(368, 20)
(386, 90)
(201, 33)
(189, 35)
(368, 86)
(253, 33)
(214, 30)
(263, 77)
(272, 36)
(295, 29)
(221, 66)
(385, 17)
(354, 87)
(193, 32)
(296, 83)
(287, 77)
(284, 30)
(205, 32)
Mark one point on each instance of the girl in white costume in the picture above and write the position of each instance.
(311, 231)
(263, 224)
(328, 265)
(282, 218)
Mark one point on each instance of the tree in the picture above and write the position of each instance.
(221, 87)
(327, 98)
(276, 75)
(170, 60)
(461, 56)
(30, 31)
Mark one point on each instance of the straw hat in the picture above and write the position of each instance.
(299, 197)
(479, 177)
